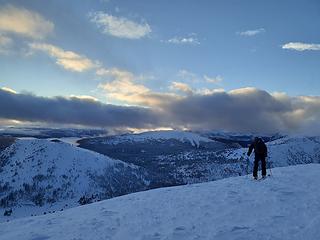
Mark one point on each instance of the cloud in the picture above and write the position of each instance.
(74, 110)
(298, 46)
(124, 87)
(243, 110)
(8, 90)
(5, 41)
(183, 87)
(247, 110)
(250, 33)
(124, 90)
(119, 26)
(192, 40)
(115, 73)
(84, 97)
(188, 76)
(67, 59)
(216, 80)
(23, 22)
(5, 44)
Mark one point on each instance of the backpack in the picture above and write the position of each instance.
(260, 147)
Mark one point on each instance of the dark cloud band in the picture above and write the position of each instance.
(27, 107)
(239, 110)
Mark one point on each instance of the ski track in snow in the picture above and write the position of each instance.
(285, 206)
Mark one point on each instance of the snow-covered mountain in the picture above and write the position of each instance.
(50, 174)
(155, 136)
(284, 206)
(175, 158)
(167, 155)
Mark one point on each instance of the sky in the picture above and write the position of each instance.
(229, 65)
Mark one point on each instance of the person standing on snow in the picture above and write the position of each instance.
(260, 154)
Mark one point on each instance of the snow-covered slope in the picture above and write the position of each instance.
(285, 206)
(43, 173)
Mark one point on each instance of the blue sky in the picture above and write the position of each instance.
(142, 52)
(241, 61)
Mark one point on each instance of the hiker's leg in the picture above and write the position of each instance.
(263, 166)
(255, 167)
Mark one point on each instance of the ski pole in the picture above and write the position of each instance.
(248, 161)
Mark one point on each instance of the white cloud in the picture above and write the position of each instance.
(24, 22)
(10, 90)
(188, 76)
(133, 93)
(124, 86)
(299, 46)
(216, 80)
(84, 98)
(116, 73)
(67, 59)
(119, 26)
(192, 40)
(183, 87)
(250, 33)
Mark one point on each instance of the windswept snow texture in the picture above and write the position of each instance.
(285, 206)
(43, 174)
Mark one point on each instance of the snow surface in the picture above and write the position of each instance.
(193, 138)
(285, 206)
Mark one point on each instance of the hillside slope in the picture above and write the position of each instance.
(284, 206)
(42, 173)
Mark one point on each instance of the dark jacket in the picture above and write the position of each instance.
(259, 147)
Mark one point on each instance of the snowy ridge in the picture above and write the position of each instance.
(284, 206)
(43, 173)
(190, 137)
